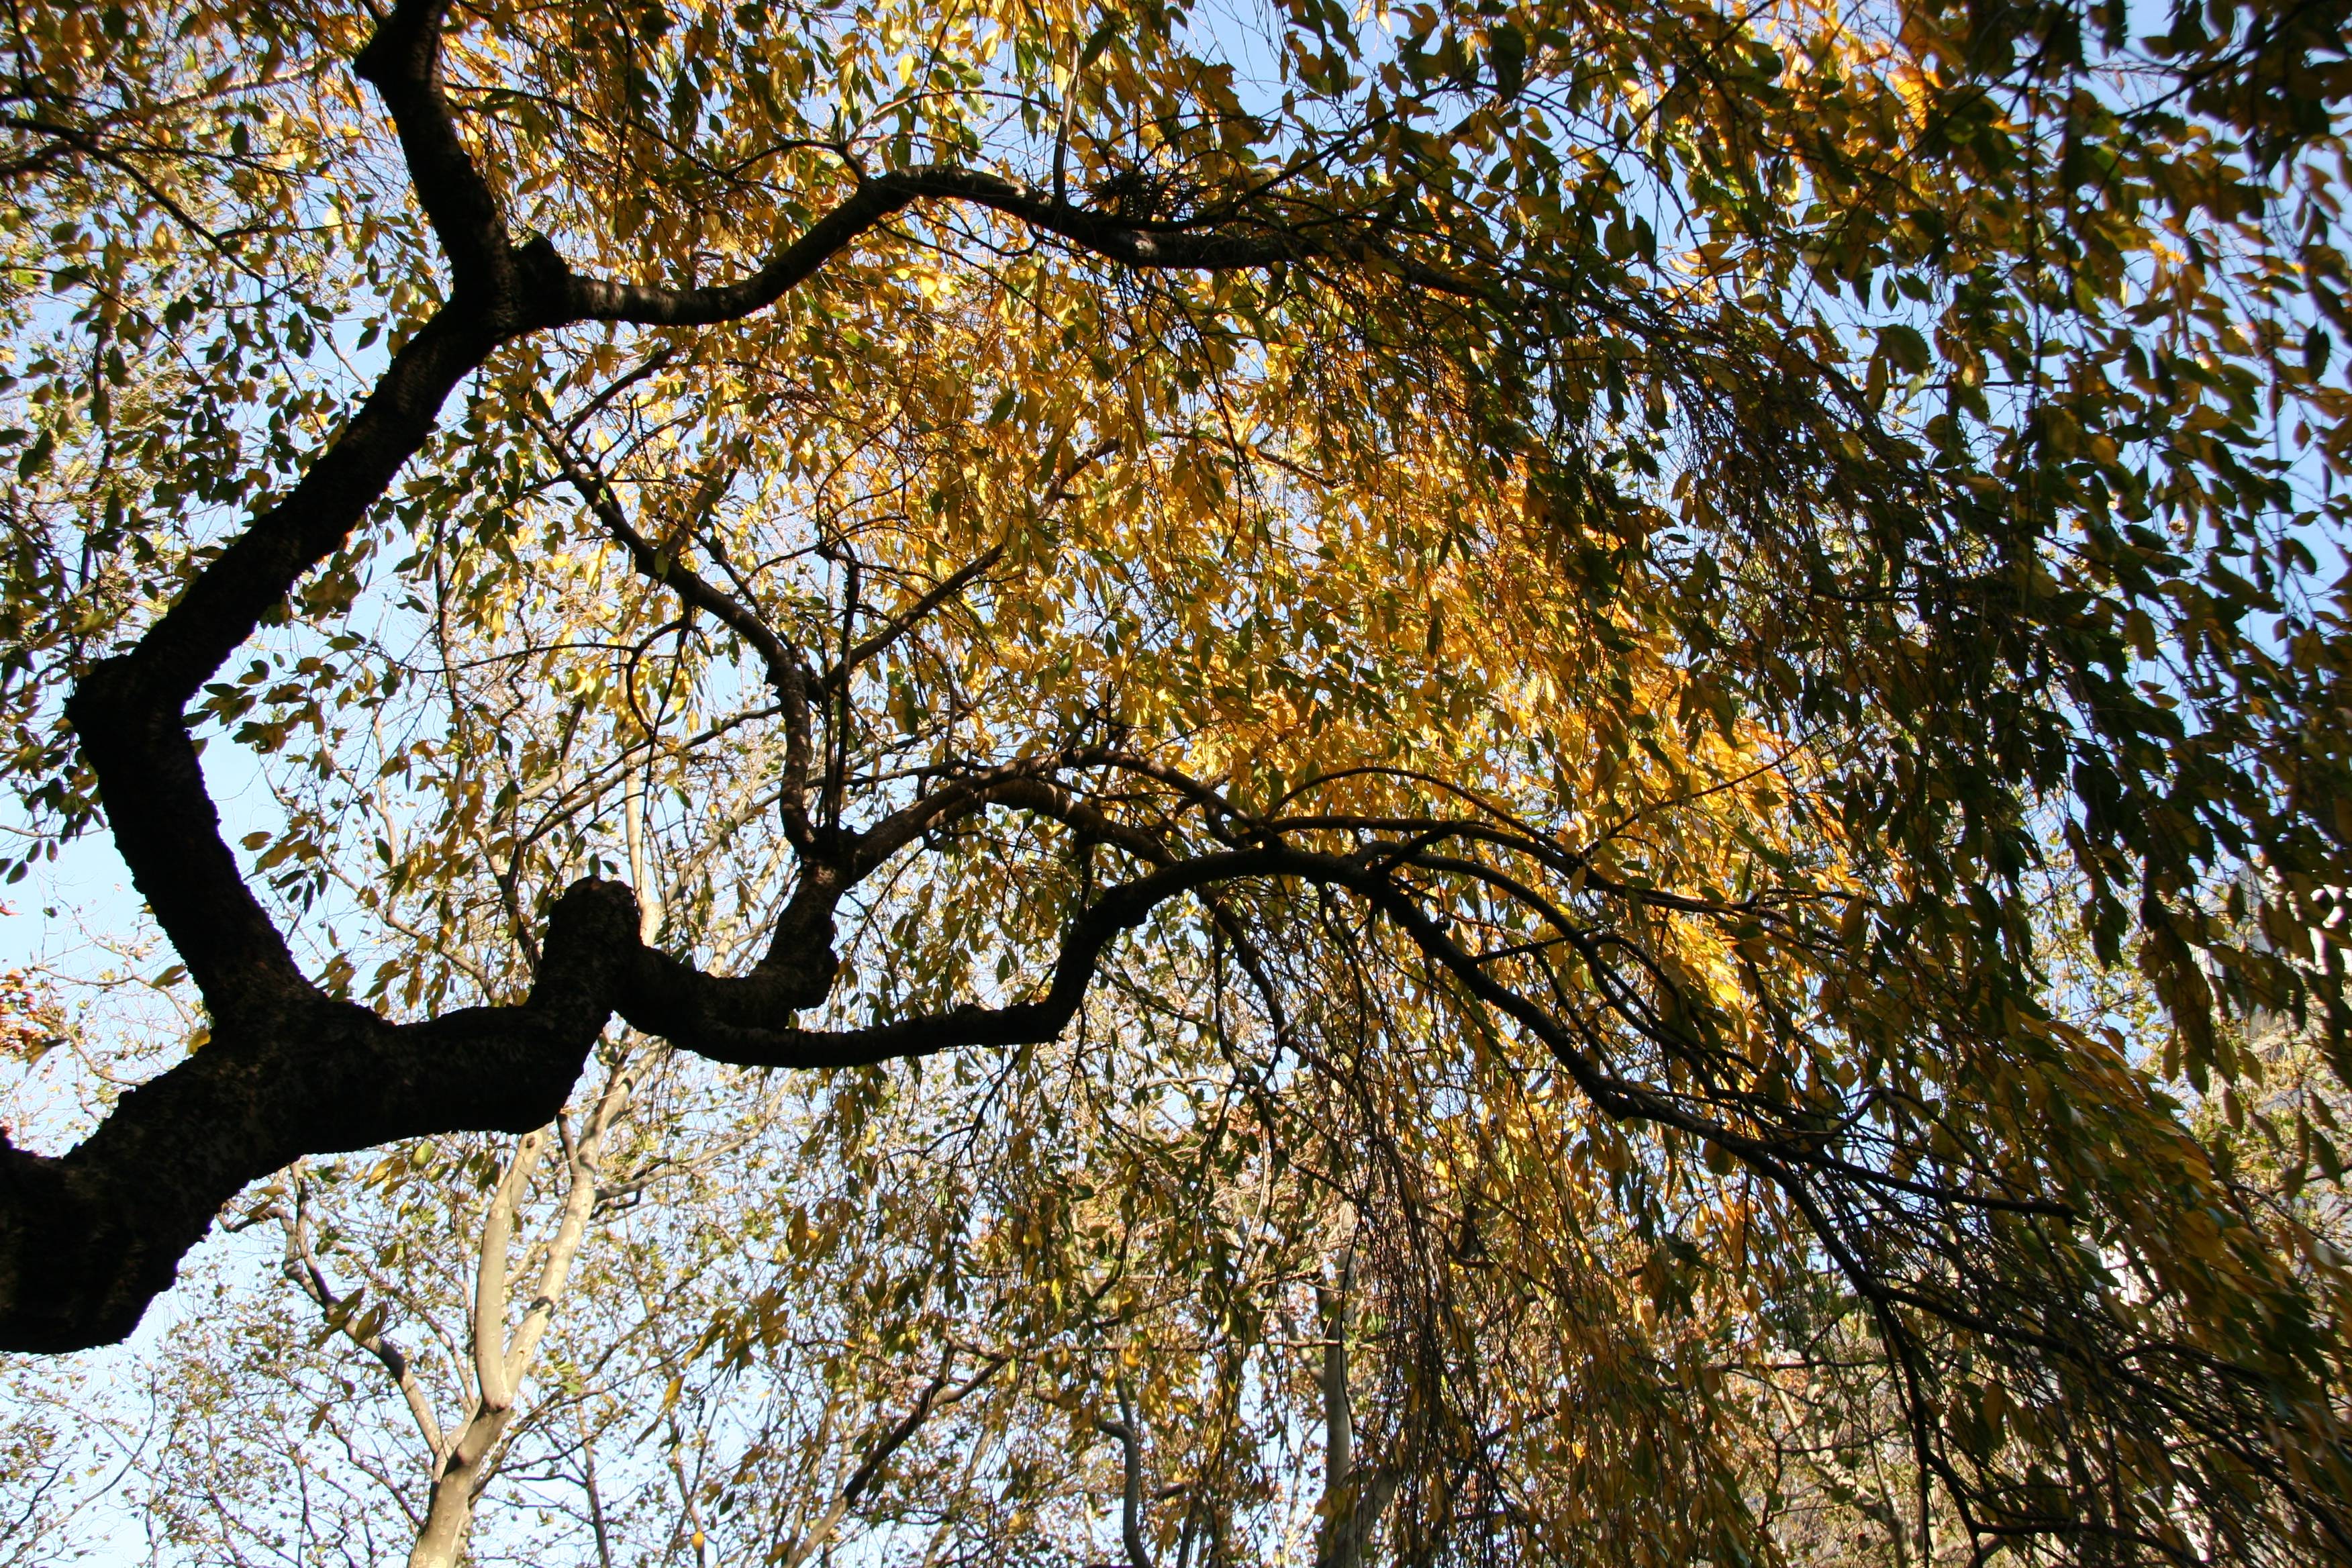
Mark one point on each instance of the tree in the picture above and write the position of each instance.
(608, 1432)
(1556, 600)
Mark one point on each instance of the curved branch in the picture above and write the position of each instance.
(87, 1238)
(787, 675)
(1149, 246)
(403, 62)
(670, 999)
(649, 304)
(1121, 909)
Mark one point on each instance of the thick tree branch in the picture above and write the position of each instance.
(128, 710)
(403, 63)
(89, 1238)
(598, 299)
(666, 998)
(878, 198)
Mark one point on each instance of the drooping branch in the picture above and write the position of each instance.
(660, 995)
(86, 1239)
(787, 675)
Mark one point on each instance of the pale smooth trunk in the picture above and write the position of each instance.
(450, 1517)
(501, 1360)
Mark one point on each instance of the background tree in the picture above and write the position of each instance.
(1513, 615)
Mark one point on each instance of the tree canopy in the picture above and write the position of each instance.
(1650, 686)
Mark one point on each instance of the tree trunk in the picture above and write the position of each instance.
(1354, 1495)
(457, 1481)
(501, 1360)
(1339, 1547)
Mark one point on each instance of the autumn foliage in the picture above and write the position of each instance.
(1647, 688)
